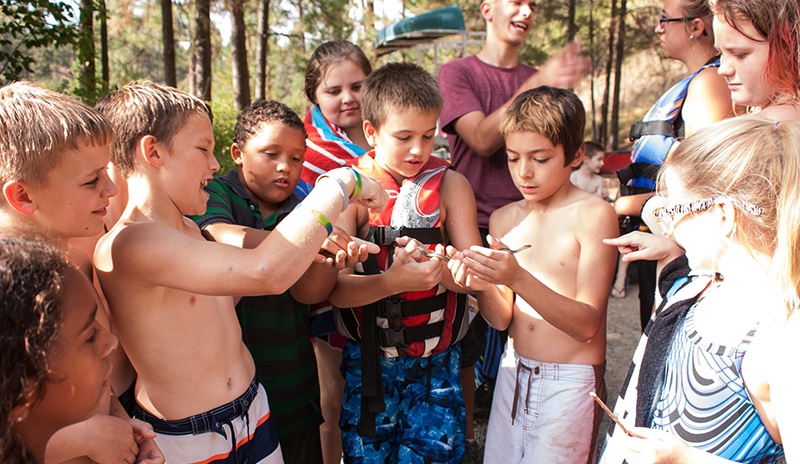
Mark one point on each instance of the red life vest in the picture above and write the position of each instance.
(418, 323)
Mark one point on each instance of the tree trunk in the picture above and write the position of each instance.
(572, 28)
(168, 39)
(618, 75)
(262, 51)
(593, 55)
(301, 30)
(86, 53)
(239, 71)
(202, 50)
(609, 64)
(104, 66)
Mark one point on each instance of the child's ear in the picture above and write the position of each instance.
(236, 154)
(17, 196)
(371, 133)
(149, 151)
(20, 413)
(726, 214)
(578, 159)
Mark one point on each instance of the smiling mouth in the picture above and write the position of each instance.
(520, 25)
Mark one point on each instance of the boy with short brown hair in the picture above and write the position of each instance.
(401, 315)
(552, 297)
(53, 159)
(169, 289)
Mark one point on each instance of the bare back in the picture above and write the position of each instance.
(567, 256)
(186, 346)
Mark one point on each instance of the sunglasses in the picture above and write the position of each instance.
(662, 20)
(667, 220)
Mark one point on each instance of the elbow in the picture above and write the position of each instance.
(587, 333)
(483, 150)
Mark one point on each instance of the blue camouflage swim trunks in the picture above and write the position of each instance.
(424, 420)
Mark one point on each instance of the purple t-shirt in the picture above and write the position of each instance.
(468, 84)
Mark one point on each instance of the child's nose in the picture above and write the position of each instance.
(110, 343)
(213, 164)
(724, 67)
(109, 187)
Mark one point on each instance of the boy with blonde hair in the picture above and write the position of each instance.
(401, 316)
(53, 159)
(552, 296)
(169, 289)
(269, 144)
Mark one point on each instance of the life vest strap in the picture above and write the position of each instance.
(404, 336)
(386, 235)
(642, 128)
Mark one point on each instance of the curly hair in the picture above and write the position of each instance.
(31, 275)
(261, 112)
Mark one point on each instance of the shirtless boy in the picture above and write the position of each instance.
(587, 176)
(168, 288)
(53, 156)
(552, 296)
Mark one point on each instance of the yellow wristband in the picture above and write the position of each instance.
(323, 220)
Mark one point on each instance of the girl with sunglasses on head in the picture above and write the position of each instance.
(709, 380)
(698, 100)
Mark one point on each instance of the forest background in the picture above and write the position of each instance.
(231, 52)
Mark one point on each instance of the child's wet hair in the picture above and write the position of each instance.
(145, 108)
(31, 278)
(38, 126)
(399, 87)
(325, 55)
(554, 113)
(252, 118)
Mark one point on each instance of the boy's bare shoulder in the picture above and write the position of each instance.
(135, 240)
(453, 182)
(594, 215)
(506, 217)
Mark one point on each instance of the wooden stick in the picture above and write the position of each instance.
(608, 411)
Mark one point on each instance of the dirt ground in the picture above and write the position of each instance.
(623, 334)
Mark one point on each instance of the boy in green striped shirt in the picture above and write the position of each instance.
(268, 149)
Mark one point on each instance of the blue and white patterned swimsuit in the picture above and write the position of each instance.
(704, 401)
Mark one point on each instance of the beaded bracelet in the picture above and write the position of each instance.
(322, 219)
(340, 182)
(357, 188)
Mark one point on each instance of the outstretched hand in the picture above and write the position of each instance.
(411, 270)
(566, 68)
(340, 250)
(149, 452)
(649, 446)
(637, 245)
(372, 194)
(479, 267)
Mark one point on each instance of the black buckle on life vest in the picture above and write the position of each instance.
(392, 338)
(404, 336)
(392, 309)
